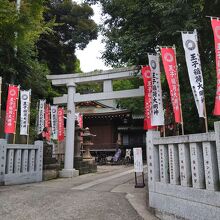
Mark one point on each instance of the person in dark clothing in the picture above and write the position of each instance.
(42, 135)
(118, 152)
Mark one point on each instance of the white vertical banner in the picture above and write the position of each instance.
(41, 116)
(54, 122)
(25, 98)
(190, 44)
(138, 160)
(157, 113)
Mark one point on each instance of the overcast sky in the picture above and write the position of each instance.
(90, 56)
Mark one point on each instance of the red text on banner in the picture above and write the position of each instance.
(170, 67)
(11, 109)
(47, 121)
(60, 124)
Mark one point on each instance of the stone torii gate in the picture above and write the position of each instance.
(70, 81)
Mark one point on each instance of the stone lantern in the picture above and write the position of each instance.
(87, 143)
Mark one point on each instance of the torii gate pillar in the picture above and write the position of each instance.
(68, 170)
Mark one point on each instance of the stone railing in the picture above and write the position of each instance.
(183, 174)
(20, 163)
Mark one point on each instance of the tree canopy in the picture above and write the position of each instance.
(19, 32)
(132, 28)
(42, 37)
(39, 39)
(73, 29)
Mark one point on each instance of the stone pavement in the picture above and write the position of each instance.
(107, 195)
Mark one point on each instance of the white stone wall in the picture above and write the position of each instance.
(183, 174)
(20, 163)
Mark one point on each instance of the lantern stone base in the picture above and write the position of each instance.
(86, 154)
(50, 174)
(85, 166)
(68, 173)
(50, 165)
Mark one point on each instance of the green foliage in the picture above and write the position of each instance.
(39, 39)
(77, 68)
(132, 28)
(74, 29)
(89, 88)
(19, 32)
(135, 104)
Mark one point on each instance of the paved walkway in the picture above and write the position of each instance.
(107, 195)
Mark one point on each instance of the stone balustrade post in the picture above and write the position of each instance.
(3, 143)
(164, 166)
(174, 164)
(217, 138)
(210, 166)
(39, 156)
(152, 159)
(197, 165)
(184, 163)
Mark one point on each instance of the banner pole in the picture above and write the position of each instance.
(178, 128)
(206, 120)
(49, 122)
(45, 104)
(164, 131)
(14, 138)
(58, 147)
(7, 134)
(29, 116)
(181, 113)
(0, 95)
(36, 119)
(46, 122)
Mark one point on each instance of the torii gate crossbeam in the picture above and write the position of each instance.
(132, 93)
(97, 76)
